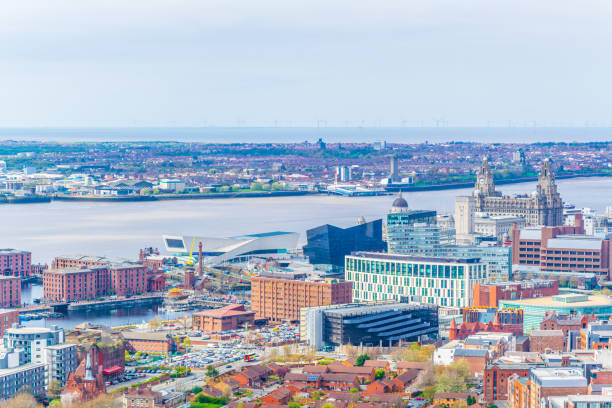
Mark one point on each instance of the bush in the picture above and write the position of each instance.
(203, 399)
(361, 359)
(354, 389)
(196, 390)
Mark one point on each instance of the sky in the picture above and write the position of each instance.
(111, 63)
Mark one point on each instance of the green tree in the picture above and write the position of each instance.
(380, 374)
(471, 400)
(428, 392)
(211, 372)
(196, 390)
(292, 404)
(54, 389)
(361, 359)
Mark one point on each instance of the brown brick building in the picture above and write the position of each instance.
(10, 291)
(543, 340)
(547, 382)
(280, 299)
(496, 375)
(562, 249)
(230, 317)
(81, 278)
(489, 294)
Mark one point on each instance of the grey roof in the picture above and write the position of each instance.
(131, 335)
(559, 377)
(462, 352)
(531, 233)
(412, 258)
(546, 333)
(575, 243)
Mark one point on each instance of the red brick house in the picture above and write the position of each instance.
(252, 376)
(279, 396)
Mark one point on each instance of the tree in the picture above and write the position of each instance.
(380, 374)
(292, 404)
(606, 291)
(186, 343)
(196, 390)
(184, 321)
(54, 389)
(211, 372)
(20, 400)
(471, 400)
(361, 359)
(328, 405)
(428, 392)
(154, 323)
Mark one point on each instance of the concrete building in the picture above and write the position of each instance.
(498, 226)
(433, 280)
(280, 298)
(489, 294)
(15, 378)
(543, 207)
(230, 317)
(33, 340)
(220, 251)
(60, 360)
(368, 324)
(15, 263)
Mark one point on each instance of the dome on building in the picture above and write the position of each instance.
(399, 202)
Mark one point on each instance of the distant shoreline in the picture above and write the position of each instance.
(262, 194)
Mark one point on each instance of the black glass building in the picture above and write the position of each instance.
(328, 244)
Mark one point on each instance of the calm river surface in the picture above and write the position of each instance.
(121, 229)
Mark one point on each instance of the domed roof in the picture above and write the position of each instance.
(399, 202)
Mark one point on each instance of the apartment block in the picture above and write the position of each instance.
(10, 291)
(280, 298)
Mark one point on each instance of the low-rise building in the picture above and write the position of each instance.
(536, 310)
(230, 317)
(489, 294)
(148, 342)
(542, 341)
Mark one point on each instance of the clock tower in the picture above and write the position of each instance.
(484, 180)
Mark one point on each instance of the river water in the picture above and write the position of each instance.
(121, 229)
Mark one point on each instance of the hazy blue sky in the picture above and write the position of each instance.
(253, 62)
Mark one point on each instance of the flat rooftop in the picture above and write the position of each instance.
(11, 251)
(549, 301)
(413, 258)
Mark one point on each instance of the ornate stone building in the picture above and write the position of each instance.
(542, 207)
